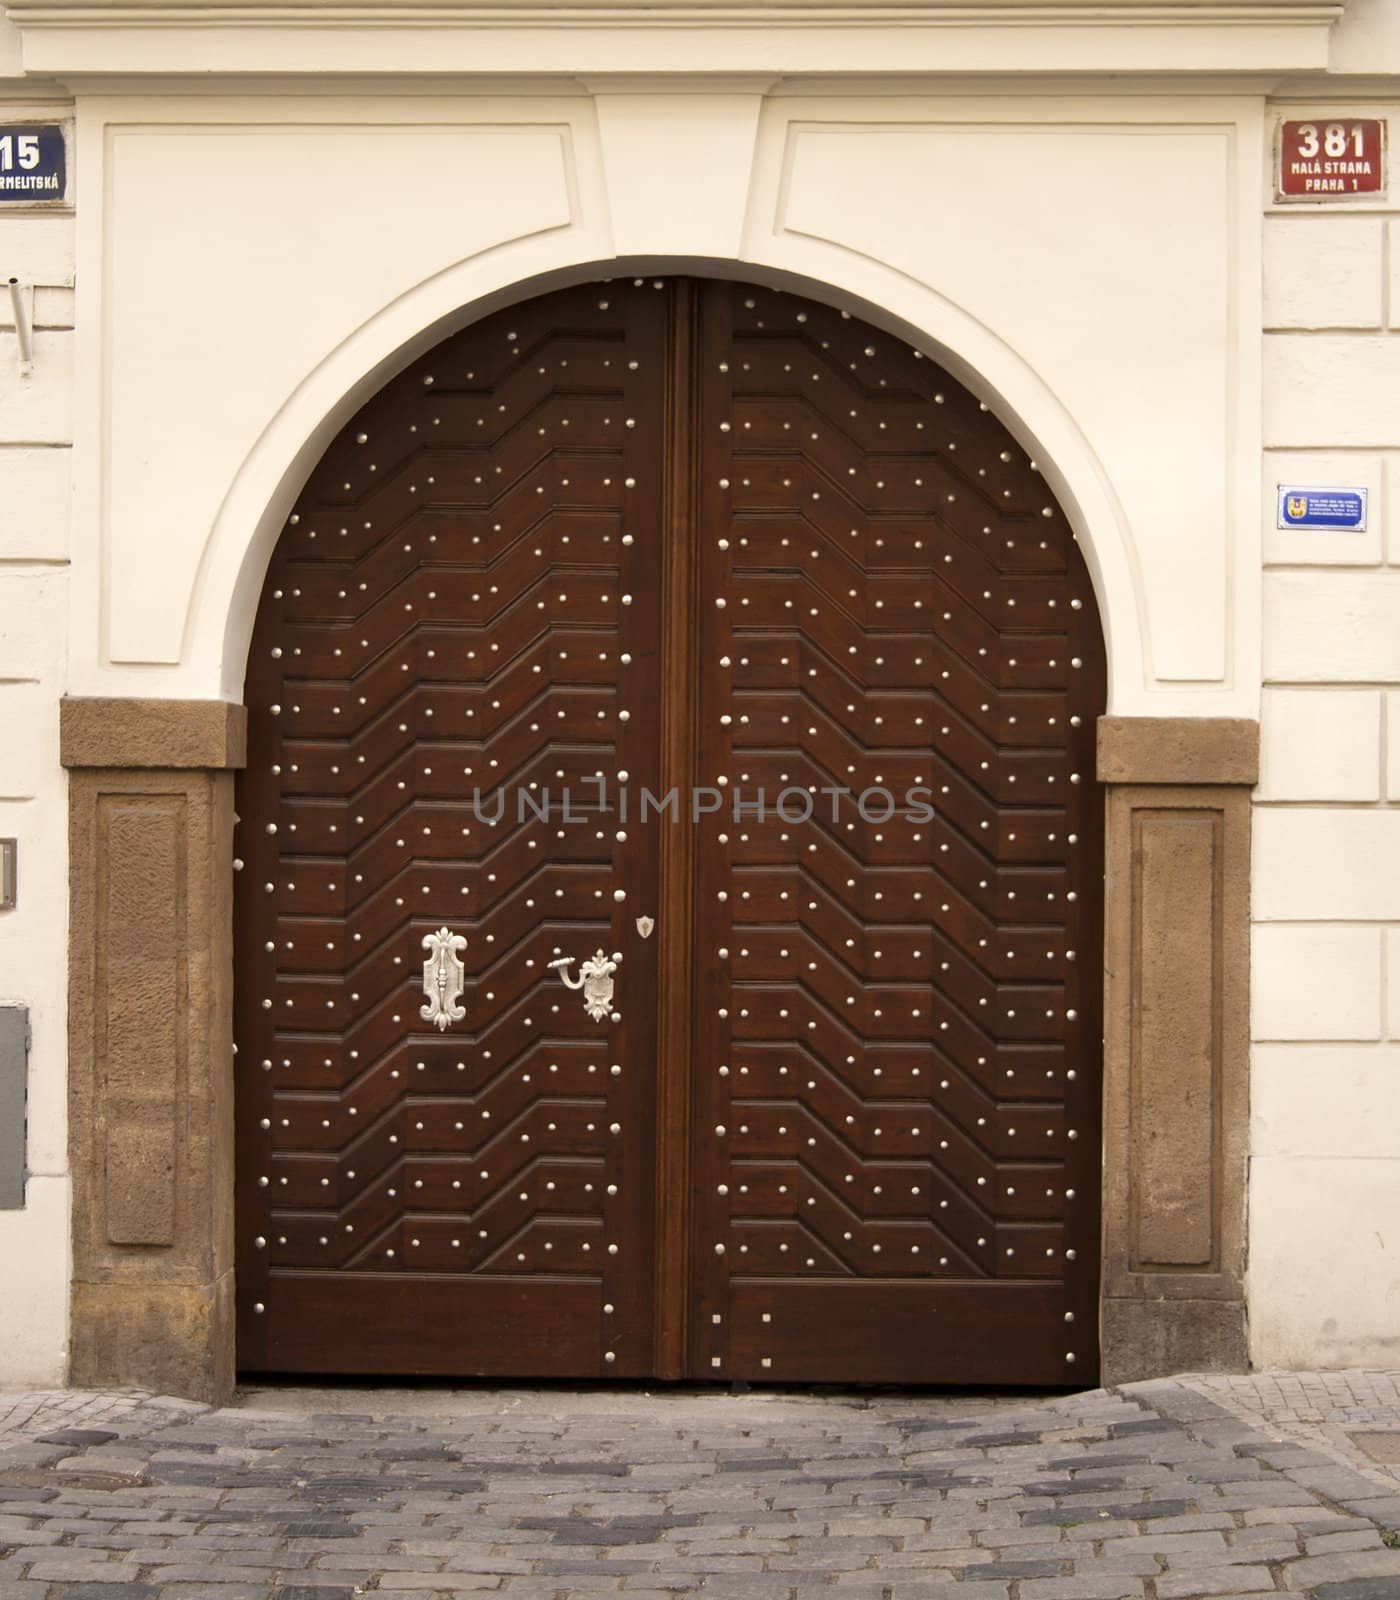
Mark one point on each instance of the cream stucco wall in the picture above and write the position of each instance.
(36, 430)
(976, 226)
(1099, 265)
(1325, 1272)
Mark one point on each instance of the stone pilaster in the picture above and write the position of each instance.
(150, 1041)
(1176, 1045)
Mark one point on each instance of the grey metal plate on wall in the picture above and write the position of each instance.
(14, 1077)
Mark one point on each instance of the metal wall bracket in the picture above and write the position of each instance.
(22, 305)
(14, 1094)
(9, 874)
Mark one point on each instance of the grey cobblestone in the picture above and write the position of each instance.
(1329, 1543)
(1214, 1581)
(1316, 1570)
(109, 1591)
(1084, 1586)
(1358, 1589)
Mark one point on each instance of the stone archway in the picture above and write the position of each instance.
(151, 1045)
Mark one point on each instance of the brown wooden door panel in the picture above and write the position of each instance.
(875, 637)
(403, 1322)
(667, 533)
(494, 601)
(892, 1332)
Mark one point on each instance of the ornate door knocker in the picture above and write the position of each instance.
(444, 978)
(595, 978)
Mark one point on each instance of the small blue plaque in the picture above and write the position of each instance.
(33, 163)
(1342, 510)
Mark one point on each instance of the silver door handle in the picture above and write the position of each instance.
(595, 978)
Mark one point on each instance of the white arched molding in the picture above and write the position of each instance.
(255, 509)
(206, 393)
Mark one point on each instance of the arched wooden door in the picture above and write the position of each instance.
(705, 632)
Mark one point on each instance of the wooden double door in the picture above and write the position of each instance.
(708, 635)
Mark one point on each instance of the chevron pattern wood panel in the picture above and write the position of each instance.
(459, 630)
(714, 539)
(896, 1070)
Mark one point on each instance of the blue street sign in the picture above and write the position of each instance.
(1300, 507)
(33, 163)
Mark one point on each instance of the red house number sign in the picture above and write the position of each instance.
(1331, 160)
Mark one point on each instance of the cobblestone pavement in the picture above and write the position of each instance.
(37, 1411)
(1333, 1411)
(1161, 1491)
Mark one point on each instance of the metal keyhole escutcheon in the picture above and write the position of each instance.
(444, 978)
